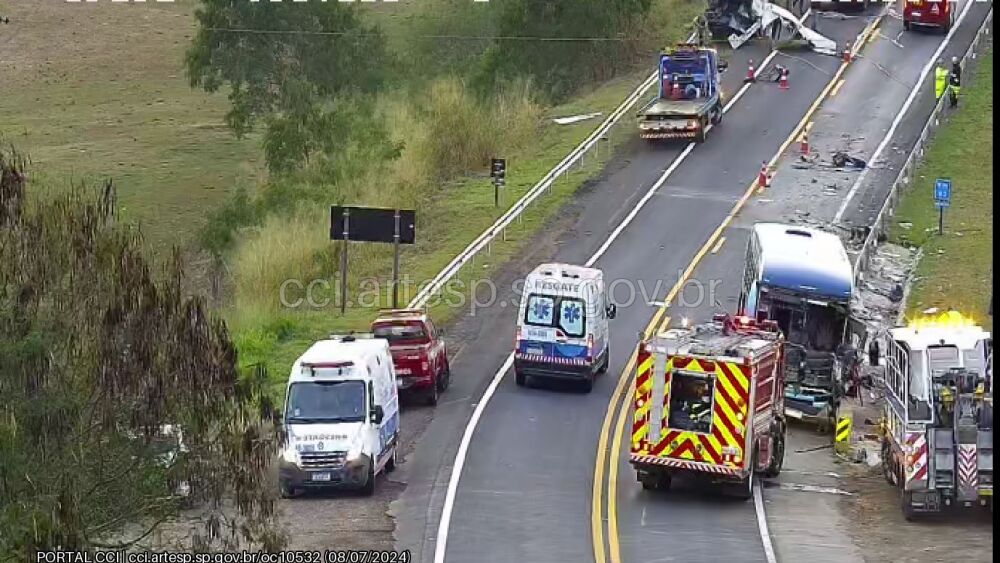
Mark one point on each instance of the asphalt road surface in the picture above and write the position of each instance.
(525, 492)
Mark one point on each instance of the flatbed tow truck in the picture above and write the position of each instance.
(690, 95)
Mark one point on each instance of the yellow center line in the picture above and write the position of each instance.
(624, 398)
(718, 245)
(837, 87)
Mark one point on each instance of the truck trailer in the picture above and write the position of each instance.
(709, 403)
(937, 427)
(689, 96)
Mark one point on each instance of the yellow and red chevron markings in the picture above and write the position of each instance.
(729, 416)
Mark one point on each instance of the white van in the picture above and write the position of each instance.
(562, 325)
(341, 417)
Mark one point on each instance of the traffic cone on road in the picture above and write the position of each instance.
(751, 74)
(762, 179)
(783, 82)
(804, 144)
(847, 52)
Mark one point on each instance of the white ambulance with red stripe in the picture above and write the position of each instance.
(709, 404)
(562, 327)
(937, 444)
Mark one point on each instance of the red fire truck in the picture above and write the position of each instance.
(930, 13)
(709, 401)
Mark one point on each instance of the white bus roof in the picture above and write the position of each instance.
(796, 258)
(327, 354)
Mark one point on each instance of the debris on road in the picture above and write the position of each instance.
(575, 118)
(739, 20)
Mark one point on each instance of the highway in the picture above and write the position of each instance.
(530, 489)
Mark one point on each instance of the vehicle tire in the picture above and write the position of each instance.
(447, 377)
(432, 393)
(653, 481)
(390, 465)
(588, 383)
(285, 490)
(520, 378)
(702, 132)
(907, 505)
(369, 488)
(777, 453)
(606, 362)
(717, 116)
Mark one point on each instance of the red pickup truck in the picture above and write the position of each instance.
(418, 352)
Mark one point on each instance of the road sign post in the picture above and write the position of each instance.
(395, 264)
(942, 200)
(343, 260)
(369, 224)
(498, 171)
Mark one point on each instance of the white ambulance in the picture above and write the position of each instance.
(341, 416)
(562, 325)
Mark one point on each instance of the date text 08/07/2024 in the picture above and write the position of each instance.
(308, 556)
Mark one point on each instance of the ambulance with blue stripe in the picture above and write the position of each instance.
(562, 325)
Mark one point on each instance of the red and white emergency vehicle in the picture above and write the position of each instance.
(419, 355)
(709, 401)
(937, 443)
(931, 13)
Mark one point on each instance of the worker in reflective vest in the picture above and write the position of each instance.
(940, 79)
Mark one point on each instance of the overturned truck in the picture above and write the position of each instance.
(737, 21)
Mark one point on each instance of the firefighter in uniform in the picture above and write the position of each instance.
(940, 80)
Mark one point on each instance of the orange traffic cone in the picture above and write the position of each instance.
(847, 52)
(783, 82)
(762, 176)
(751, 74)
(804, 144)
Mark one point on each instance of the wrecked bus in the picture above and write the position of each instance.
(802, 279)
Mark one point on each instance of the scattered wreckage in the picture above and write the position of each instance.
(737, 21)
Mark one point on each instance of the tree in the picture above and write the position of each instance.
(559, 67)
(286, 63)
(97, 358)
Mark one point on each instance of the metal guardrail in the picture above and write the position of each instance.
(880, 226)
(514, 212)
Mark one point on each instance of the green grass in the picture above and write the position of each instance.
(98, 90)
(956, 269)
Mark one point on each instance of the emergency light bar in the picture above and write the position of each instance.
(351, 337)
(312, 367)
(400, 312)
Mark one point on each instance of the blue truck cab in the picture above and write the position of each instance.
(689, 96)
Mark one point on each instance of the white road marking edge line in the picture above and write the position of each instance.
(765, 534)
(902, 112)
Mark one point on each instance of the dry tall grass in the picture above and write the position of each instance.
(445, 131)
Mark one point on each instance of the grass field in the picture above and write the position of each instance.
(957, 268)
(98, 90)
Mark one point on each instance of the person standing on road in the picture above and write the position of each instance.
(940, 80)
(955, 80)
